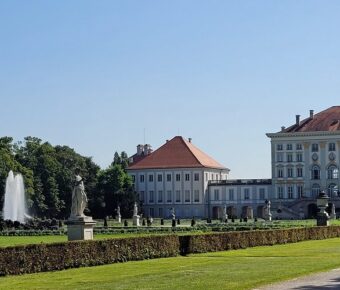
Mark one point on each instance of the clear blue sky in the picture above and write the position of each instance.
(94, 74)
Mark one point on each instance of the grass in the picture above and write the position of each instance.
(240, 269)
(6, 241)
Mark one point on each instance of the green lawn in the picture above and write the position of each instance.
(6, 241)
(241, 269)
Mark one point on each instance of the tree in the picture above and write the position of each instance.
(115, 188)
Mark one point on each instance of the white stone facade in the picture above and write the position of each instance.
(184, 189)
(303, 164)
(243, 198)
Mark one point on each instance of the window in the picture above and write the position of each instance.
(216, 194)
(178, 177)
(224, 194)
(159, 177)
(231, 194)
(290, 192)
(187, 176)
(246, 194)
(289, 157)
(331, 147)
(168, 177)
(332, 172)
(206, 176)
(315, 147)
(299, 172)
(280, 192)
(279, 173)
(290, 172)
(315, 190)
(315, 172)
(187, 196)
(142, 195)
(168, 196)
(133, 178)
(152, 212)
(300, 191)
(151, 196)
(141, 178)
(332, 190)
(298, 146)
(160, 212)
(299, 157)
(150, 178)
(196, 177)
(178, 196)
(279, 147)
(262, 193)
(279, 157)
(160, 195)
(289, 147)
(196, 195)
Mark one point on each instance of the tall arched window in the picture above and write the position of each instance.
(315, 190)
(315, 172)
(332, 190)
(332, 172)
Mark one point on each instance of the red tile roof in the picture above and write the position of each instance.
(176, 153)
(327, 120)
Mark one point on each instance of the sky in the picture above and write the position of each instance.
(104, 76)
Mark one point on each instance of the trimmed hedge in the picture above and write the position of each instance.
(58, 256)
(241, 240)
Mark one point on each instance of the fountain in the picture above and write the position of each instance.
(15, 203)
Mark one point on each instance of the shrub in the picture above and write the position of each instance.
(58, 256)
(240, 240)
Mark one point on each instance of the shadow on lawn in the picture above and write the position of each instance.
(334, 285)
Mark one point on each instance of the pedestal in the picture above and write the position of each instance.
(135, 221)
(80, 228)
(322, 220)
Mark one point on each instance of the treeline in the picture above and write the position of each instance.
(49, 172)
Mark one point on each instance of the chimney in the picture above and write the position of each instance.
(311, 114)
(167, 140)
(297, 120)
(283, 128)
(139, 150)
(190, 140)
(147, 148)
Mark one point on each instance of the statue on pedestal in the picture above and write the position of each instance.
(79, 198)
(225, 215)
(135, 215)
(79, 226)
(118, 216)
(268, 214)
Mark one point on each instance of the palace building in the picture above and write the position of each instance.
(176, 175)
(305, 160)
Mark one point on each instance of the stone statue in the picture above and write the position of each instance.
(135, 218)
(118, 216)
(173, 216)
(79, 198)
(135, 209)
(268, 215)
(225, 215)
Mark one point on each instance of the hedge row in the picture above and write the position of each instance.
(241, 240)
(58, 256)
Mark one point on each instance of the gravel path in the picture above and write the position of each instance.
(321, 281)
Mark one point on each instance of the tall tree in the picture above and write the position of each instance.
(115, 188)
